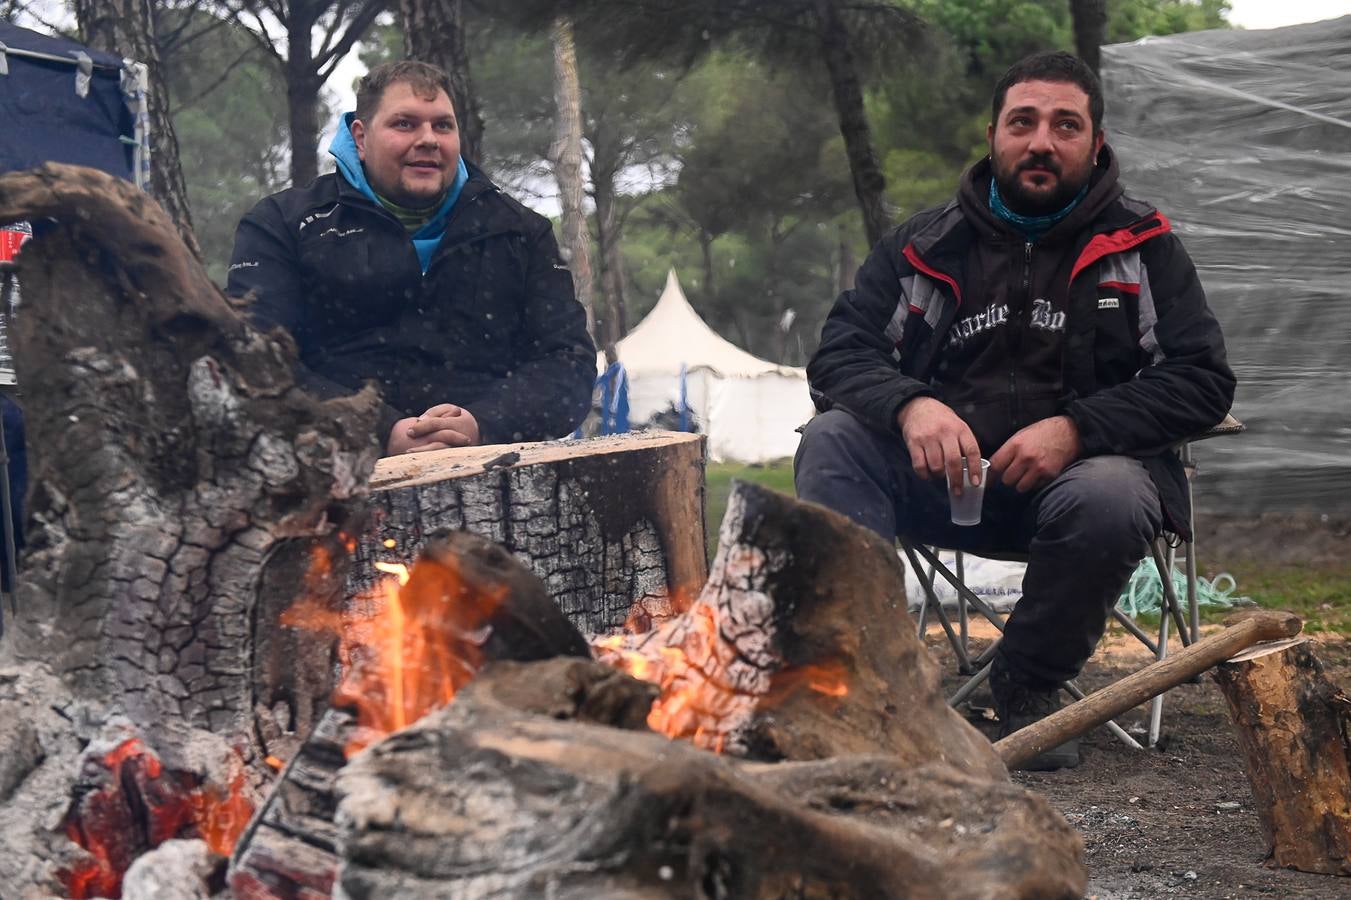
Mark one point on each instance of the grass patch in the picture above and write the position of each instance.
(777, 476)
(1320, 595)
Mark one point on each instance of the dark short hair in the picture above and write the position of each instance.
(1055, 65)
(424, 78)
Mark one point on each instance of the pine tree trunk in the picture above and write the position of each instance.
(433, 32)
(567, 160)
(302, 107)
(869, 182)
(126, 27)
(611, 266)
(1090, 30)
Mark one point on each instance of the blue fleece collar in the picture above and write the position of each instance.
(1031, 227)
(426, 238)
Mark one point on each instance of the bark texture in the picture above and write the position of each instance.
(433, 32)
(566, 155)
(127, 28)
(605, 523)
(516, 790)
(799, 648)
(181, 482)
(1294, 727)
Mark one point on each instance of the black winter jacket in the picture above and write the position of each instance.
(493, 326)
(1142, 363)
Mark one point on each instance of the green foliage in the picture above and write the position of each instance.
(229, 110)
(1320, 595)
(777, 476)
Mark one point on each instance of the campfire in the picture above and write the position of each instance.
(192, 675)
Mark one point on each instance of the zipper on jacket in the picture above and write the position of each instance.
(1020, 325)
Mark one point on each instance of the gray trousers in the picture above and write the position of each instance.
(1084, 533)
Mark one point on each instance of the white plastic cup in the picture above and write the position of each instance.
(966, 508)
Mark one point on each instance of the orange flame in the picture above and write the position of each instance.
(406, 647)
(698, 699)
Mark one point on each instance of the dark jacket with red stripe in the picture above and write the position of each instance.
(1102, 320)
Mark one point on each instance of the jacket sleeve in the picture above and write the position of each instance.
(855, 367)
(1189, 385)
(265, 268)
(547, 393)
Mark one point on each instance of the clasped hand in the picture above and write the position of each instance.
(938, 441)
(444, 425)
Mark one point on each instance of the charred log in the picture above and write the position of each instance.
(181, 487)
(485, 799)
(479, 604)
(800, 647)
(181, 480)
(603, 523)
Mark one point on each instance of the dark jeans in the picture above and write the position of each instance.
(1084, 533)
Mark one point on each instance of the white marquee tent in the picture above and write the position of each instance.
(747, 406)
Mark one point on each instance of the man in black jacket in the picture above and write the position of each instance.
(1047, 322)
(409, 268)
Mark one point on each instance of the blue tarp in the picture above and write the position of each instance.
(44, 117)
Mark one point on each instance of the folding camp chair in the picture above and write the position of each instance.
(1164, 553)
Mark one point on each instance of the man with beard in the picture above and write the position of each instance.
(1051, 324)
(409, 268)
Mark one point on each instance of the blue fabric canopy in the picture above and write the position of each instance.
(45, 117)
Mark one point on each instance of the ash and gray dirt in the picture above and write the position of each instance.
(1173, 821)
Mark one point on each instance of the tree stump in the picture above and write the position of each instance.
(604, 523)
(181, 485)
(1294, 727)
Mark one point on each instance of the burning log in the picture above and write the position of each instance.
(181, 484)
(604, 523)
(464, 603)
(1294, 727)
(519, 789)
(800, 647)
(560, 777)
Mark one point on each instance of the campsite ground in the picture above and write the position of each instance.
(1177, 820)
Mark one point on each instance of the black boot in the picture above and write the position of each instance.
(1018, 705)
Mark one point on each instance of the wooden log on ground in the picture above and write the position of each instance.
(1137, 687)
(604, 522)
(1294, 727)
(500, 795)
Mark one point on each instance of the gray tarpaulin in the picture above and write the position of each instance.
(1243, 140)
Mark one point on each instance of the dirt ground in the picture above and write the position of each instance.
(1177, 820)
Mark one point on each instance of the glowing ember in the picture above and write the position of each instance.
(139, 806)
(406, 647)
(692, 663)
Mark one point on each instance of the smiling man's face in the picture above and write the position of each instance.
(1043, 147)
(410, 147)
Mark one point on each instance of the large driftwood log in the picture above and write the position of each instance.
(800, 647)
(181, 485)
(511, 792)
(604, 523)
(1294, 727)
(180, 479)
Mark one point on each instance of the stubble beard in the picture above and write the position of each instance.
(1038, 202)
